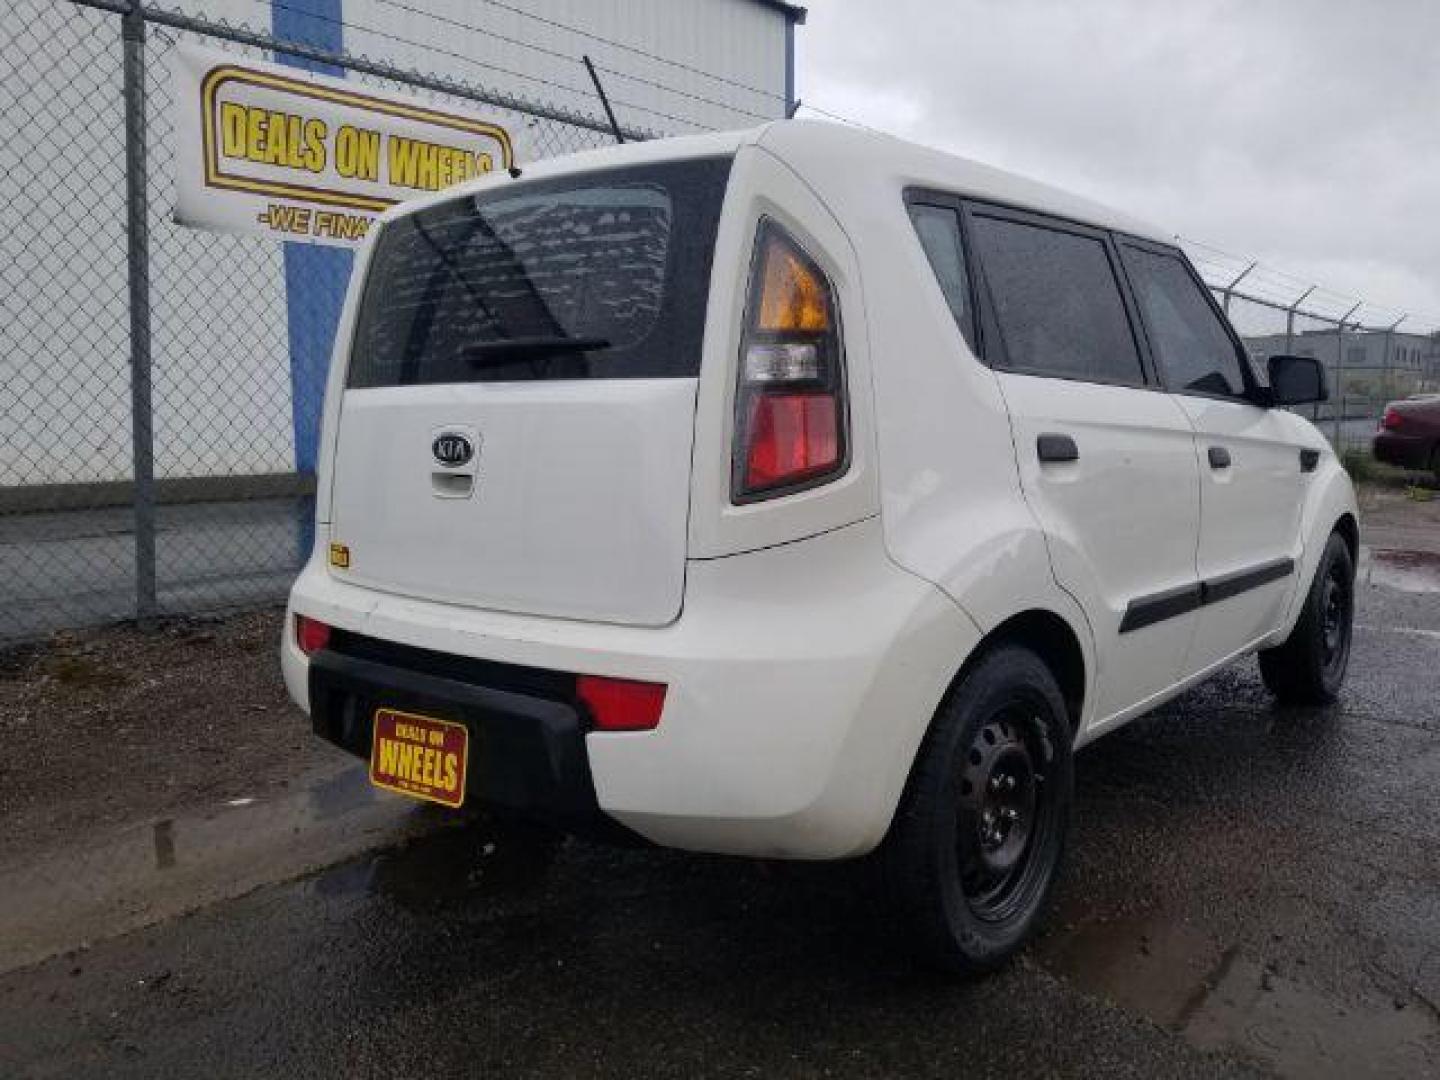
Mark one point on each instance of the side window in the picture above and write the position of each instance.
(1057, 303)
(939, 230)
(1191, 346)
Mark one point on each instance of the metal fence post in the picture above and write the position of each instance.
(1344, 413)
(1387, 376)
(1290, 317)
(1337, 412)
(1290, 337)
(1229, 290)
(132, 32)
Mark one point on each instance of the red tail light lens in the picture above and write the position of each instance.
(311, 635)
(1391, 421)
(621, 704)
(792, 437)
(790, 403)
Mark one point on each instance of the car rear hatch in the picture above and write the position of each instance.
(517, 417)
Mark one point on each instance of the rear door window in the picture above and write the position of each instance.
(1057, 302)
(602, 275)
(1194, 351)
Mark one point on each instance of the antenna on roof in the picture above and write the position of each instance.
(609, 112)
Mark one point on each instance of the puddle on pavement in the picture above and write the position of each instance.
(1406, 571)
(340, 794)
(1223, 1001)
(457, 863)
(141, 874)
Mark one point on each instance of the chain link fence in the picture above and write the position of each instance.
(1372, 355)
(155, 465)
(153, 417)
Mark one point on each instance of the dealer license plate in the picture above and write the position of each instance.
(419, 756)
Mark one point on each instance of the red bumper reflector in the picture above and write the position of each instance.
(792, 438)
(621, 704)
(311, 635)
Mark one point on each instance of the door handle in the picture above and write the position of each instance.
(1219, 457)
(1051, 447)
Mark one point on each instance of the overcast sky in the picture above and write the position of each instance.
(1304, 133)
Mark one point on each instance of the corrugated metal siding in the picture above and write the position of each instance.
(523, 47)
(740, 41)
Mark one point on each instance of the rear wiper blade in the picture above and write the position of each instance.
(481, 353)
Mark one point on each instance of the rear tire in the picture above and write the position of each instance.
(1309, 668)
(977, 843)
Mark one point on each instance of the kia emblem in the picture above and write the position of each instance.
(452, 449)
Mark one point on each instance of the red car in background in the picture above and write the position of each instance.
(1409, 434)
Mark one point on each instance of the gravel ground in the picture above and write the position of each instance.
(1400, 517)
(108, 727)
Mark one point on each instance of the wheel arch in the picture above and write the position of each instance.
(1329, 508)
(1349, 530)
(1051, 637)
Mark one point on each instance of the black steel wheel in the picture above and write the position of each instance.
(978, 841)
(1309, 668)
(1337, 602)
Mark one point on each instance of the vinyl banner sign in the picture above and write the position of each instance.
(287, 154)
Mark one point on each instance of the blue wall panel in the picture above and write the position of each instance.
(315, 277)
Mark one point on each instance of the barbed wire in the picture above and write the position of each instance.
(1267, 285)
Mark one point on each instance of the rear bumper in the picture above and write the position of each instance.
(800, 680)
(527, 735)
(1406, 451)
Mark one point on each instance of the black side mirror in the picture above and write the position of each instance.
(1297, 380)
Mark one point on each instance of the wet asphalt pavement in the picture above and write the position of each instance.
(1250, 891)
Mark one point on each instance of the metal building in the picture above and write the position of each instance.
(238, 353)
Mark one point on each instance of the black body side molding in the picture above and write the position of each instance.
(1157, 607)
(1148, 610)
(1228, 585)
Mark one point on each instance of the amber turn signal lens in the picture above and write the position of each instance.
(792, 296)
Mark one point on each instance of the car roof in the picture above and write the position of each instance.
(842, 161)
(844, 155)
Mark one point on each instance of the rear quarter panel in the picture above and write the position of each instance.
(761, 186)
(949, 485)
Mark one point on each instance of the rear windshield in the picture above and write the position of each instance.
(599, 276)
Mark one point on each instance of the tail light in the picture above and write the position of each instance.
(790, 416)
(1391, 421)
(311, 635)
(621, 704)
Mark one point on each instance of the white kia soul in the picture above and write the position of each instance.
(796, 493)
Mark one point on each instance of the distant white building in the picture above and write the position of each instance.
(1367, 354)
